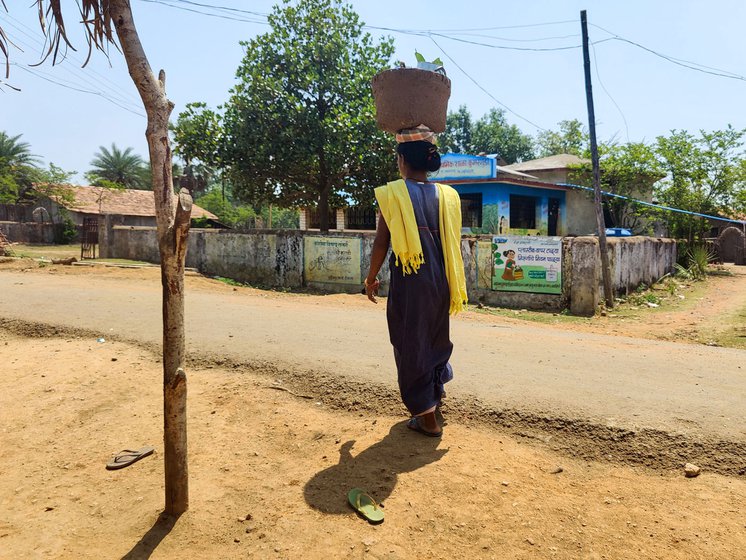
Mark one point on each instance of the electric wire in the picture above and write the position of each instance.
(109, 88)
(606, 91)
(38, 74)
(653, 205)
(495, 99)
(677, 61)
(209, 14)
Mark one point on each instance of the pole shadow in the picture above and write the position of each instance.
(375, 469)
(150, 540)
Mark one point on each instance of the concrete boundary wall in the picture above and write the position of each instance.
(273, 258)
(31, 232)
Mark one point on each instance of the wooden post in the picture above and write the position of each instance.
(173, 217)
(600, 224)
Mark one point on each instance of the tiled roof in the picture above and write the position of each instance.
(560, 161)
(127, 202)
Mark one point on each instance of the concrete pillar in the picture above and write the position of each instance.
(303, 221)
(584, 290)
(340, 219)
(105, 236)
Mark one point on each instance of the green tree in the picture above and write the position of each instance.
(571, 138)
(124, 168)
(198, 137)
(703, 174)
(457, 137)
(629, 170)
(493, 135)
(299, 126)
(18, 168)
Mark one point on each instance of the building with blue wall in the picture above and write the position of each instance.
(505, 200)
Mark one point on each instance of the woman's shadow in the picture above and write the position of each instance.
(374, 469)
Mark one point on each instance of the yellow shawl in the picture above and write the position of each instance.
(396, 208)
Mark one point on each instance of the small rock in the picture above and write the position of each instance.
(505, 483)
(114, 359)
(48, 508)
(603, 313)
(530, 541)
(557, 470)
(236, 540)
(691, 470)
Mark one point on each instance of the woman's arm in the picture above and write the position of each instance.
(377, 256)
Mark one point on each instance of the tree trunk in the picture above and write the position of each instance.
(173, 220)
(323, 209)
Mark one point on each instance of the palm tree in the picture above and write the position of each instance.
(122, 167)
(13, 152)
(18, 167)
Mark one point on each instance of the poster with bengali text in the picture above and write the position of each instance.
(332, 260)
(527, 264)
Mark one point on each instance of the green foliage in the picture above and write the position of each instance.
(121, 167)
(235, 216)
(629, 170)
(299, 126)
(571, 138)
(69, 231)
(55, 175)
(198, 135)
(491, 134)
(704, 174)
(18, 168)
(244, 216)
(420, 58)
(457, 137)
(697, 259)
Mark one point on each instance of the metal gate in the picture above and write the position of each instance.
(89, 238)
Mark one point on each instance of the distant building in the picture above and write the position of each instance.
(131, 207)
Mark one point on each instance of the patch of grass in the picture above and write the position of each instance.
(230, 281)
(545, 317)
(46, 251)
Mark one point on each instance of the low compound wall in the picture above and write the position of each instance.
(31, 232)
(338, 262)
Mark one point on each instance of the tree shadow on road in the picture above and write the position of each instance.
(375, 469)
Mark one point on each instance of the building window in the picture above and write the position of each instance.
(471, 210)
(522, 212)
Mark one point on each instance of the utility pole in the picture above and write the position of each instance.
(604, 250)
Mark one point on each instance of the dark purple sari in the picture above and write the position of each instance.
(417, 311)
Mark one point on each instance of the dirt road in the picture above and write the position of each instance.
(645, 401)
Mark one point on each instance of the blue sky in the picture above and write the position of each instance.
(638, 96)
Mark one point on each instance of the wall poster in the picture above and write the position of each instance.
(332, 260)
(527, 264)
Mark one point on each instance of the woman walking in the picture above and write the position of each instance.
(422, 223)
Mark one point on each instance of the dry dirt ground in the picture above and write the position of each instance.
(285, 462)
(269, 471)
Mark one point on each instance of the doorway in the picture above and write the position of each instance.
(553, 217)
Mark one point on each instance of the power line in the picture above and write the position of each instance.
(225, 8)
(220, 16)
(39, 74)
(465, 73)
(524, 26)
(603, 87)
(653, 205)
(678, 61)
(112, 89)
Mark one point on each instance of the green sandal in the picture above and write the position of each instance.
(365, 506)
